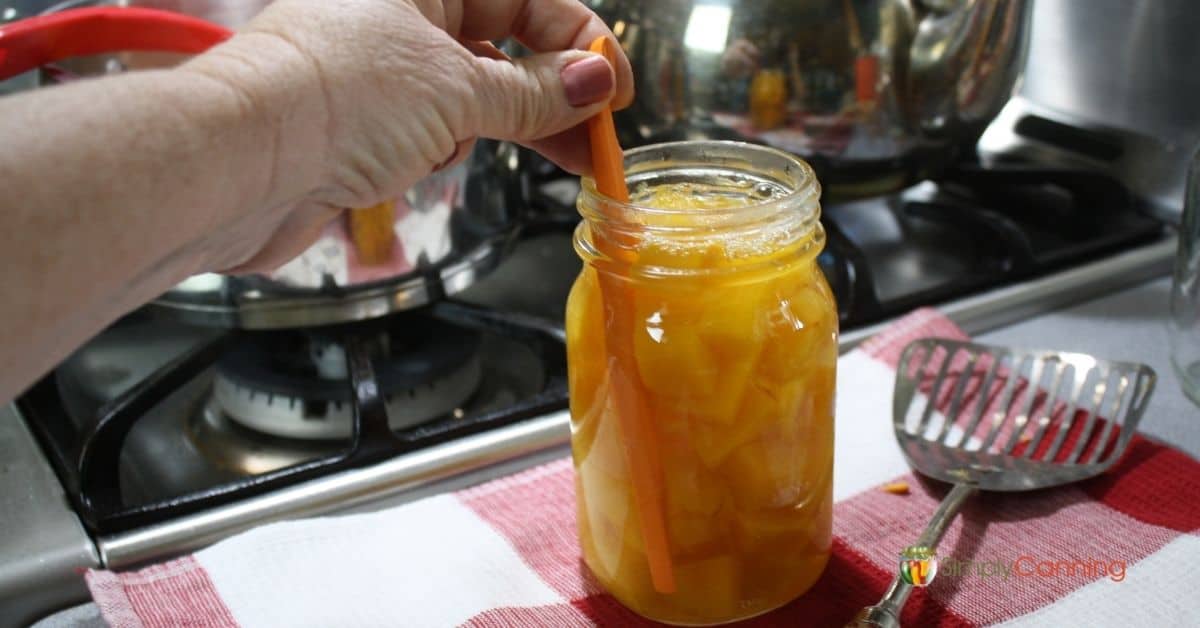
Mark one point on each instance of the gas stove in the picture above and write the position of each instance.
(157, 438)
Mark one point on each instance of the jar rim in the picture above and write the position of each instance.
(745, 230)
(803, 190)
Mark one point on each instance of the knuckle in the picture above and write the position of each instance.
(513, 98)
(536, 107)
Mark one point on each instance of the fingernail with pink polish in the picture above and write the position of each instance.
(449, 159)
(587, 81)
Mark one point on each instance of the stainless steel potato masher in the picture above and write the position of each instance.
(1000, 419)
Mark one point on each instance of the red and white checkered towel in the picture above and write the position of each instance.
(505, 553)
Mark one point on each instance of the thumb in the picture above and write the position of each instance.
(532, 97)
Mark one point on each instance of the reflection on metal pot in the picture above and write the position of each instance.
(877, 94)
(448, 230)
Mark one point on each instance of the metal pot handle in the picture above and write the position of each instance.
(33, 42)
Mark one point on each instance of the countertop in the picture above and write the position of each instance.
(1127, 325)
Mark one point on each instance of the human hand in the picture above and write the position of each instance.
(369, 96)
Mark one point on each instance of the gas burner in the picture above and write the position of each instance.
(295, 384)
(243, 451)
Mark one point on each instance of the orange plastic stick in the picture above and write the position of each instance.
(641, 444)
(372, 232)
(608, 160)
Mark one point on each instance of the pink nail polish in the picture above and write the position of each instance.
(452, 157)
(587, 81)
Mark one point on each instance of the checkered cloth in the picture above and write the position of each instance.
(505, 553)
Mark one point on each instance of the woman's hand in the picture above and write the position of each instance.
(369, 96)
(114, 190)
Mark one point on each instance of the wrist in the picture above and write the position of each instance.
(281, 106)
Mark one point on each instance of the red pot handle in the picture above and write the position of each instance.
(36, 41)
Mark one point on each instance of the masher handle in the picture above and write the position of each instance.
(886, 614)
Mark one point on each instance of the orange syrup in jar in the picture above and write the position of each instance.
(719, 320)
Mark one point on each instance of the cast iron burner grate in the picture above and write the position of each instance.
(88, 456)
(290, 383)
(978, 228)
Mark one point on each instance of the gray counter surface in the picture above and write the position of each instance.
(1128, 325)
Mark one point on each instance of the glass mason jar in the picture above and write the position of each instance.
(1184, 319)
(701, 348)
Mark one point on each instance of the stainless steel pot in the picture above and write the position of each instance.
(448, 230)
(1110, 84)
(876, 94)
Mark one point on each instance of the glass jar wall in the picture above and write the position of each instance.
(702, 347)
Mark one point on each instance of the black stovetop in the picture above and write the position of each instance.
(128, 420)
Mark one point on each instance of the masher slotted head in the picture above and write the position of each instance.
(1001, 419)
(1008, 419)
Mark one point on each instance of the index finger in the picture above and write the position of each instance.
(543, 26)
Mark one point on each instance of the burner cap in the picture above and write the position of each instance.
(295, 384)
